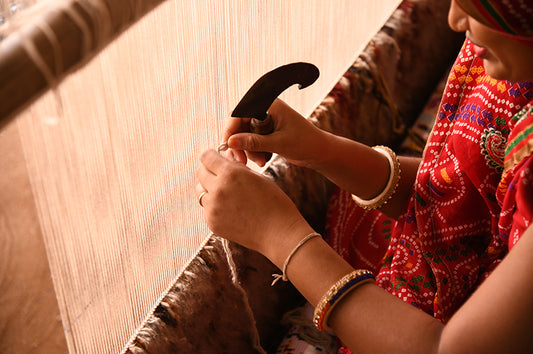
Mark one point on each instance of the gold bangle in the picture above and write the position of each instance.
(340, 289)
(392, 184)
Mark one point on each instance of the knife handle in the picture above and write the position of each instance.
(263, 127)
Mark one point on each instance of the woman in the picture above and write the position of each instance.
(460, 247)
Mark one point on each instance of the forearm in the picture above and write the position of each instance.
(363, 171)
(368, 320)
(497, 318)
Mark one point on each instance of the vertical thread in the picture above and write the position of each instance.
(113, 179)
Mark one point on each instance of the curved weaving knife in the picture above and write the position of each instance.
(255, 103)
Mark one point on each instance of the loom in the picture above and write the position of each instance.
(105, 107)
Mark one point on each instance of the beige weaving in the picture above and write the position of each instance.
(112, 151)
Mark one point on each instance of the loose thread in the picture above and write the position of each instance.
(47, 72)
(233, 269)
(223, 147)
(234, 278)
(84, 28)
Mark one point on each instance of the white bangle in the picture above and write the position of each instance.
(300, 244)
(392, 184)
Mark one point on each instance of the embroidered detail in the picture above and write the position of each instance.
(526, 111)
(493, 148)
(520, 142)
(445, 176)
(500, 121)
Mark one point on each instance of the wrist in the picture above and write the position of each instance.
(392, 182)
(278, 247)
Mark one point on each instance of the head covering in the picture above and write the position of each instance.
(513, 18)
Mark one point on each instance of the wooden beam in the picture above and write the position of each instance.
(21, 81)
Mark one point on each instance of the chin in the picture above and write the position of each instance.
(498, 71)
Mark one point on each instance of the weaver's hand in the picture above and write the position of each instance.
(294, 137)
(246, 207)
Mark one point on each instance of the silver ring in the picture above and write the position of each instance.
(200, 198)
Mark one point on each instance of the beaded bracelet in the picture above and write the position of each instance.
(392, 183)
(336, 293)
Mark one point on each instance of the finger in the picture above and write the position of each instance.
(259, 158)
(205, 177)
(230, 155)
(277, 105)
(250, 142)
(239, 155)
(201, 194)
(213, 161)
(234, 126)
(198, 189)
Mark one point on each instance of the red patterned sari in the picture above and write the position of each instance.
(515, 192)
(450, 235)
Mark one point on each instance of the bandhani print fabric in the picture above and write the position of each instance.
(448, 239)
(515, 191)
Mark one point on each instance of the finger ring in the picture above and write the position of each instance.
(200, 198)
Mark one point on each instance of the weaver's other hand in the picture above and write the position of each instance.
(244, 206)
(294, 137)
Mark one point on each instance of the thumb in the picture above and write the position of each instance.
(248, 142)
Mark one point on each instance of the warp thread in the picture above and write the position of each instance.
(52, 78)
